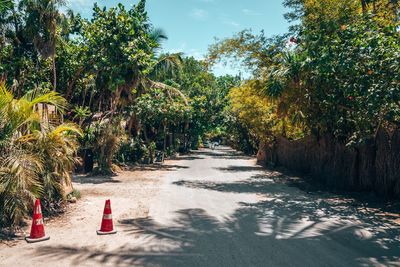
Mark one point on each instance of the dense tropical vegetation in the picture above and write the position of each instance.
(337, 72)
(36, 157)
(87, 95)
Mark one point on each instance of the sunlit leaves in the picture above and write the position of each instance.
(36, 158)
(341, 78)
(5, 5)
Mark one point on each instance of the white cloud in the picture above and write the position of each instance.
(199, 14)
(230, 22)
(192, 52)
(180, 49)
(80, 3)
(221, 69)
(249, 12)
(83, 7)
(198, 55)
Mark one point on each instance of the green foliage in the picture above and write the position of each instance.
(339, 76)
(131, 101)
(355, 80)
(129, 50)
(155, 108)
(256, 52)
(131, 151)
(75, 193)
(81, 113)
(207, 97)
(257, 113)
(107, 138)
(36, 158)
(5, 5)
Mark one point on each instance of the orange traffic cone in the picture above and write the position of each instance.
(37, 229)
(107, 227)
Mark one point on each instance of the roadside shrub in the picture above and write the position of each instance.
(36, 158)
(131, 151)
(108, 136)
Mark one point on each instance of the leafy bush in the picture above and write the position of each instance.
(36, 158)
(339, 76)
(107, 136)
(258, 114)
(354, 80)
(132, 151)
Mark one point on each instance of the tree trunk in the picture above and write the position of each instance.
(165, 138)
(364, 6)
(174, 140)
(186, 137)
(146, 138)
(72, 82)
(115, 102)
(54, 72)
(130, 126)
(170, 142)
(134, 123)
(88, 160)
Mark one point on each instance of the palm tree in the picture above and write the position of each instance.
(167, 63)
(42, 19)
(19, 116)
(284, 87)
(285, 74)
(164, 64)
(35, 157)
(56, 147)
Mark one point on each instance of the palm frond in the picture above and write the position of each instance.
(35, 161)
(19, 179)
(6, 95)
(168, 63)
(158, 35)
(158, 85)
(39, 96)
(70, 128)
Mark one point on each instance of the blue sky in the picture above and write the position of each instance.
(192, 25)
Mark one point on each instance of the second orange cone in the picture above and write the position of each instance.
(107, 226)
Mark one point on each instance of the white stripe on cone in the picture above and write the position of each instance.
(107, 216)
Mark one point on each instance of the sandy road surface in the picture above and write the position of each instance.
(213, 208)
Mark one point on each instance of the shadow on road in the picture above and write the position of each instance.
(186, 157)
(286, 228)
(158, 167)
(240, 168)
(103, 179)
(293, 224)
(252, 237)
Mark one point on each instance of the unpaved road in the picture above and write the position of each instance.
(212, 208)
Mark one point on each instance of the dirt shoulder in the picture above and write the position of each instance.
(131, 193)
